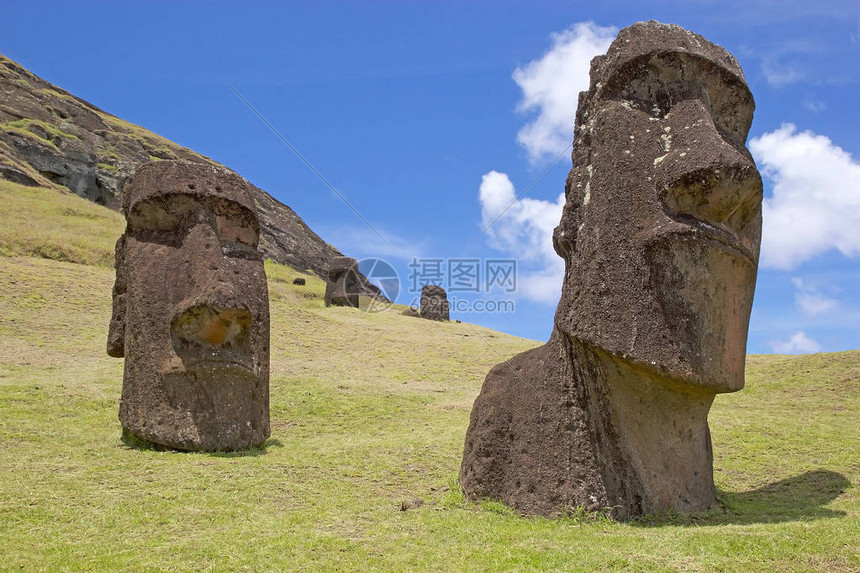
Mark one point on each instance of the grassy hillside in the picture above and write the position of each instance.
(51, 139)
(56, 224)
(369, 412)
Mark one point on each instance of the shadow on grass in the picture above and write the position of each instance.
(135, 443)
(260, 450)
(798, 498)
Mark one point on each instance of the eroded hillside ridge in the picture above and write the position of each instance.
(50, 138)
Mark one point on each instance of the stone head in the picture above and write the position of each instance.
(662, 222)
(343, 284)
(191, 311)
(434, 303)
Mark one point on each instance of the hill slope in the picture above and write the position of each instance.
(369, 413)
(51, 139)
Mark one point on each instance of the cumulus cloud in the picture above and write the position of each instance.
(525, 231)
(799, 343)
(551, 86)
(542, 285)
(810, 300)
(815, 205)
(524, 225)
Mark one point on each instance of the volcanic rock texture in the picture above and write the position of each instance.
(660, 234)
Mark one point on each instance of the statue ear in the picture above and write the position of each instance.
(116, 331)
(560, 243)
(565, 234)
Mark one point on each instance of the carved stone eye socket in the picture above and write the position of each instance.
(171, 216)
(232, 230)
(655, 84)
(656, 95)
(164, 214)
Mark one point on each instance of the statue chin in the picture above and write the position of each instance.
(705, 294)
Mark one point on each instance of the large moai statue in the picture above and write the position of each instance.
(343, 284)
(434, 303)
(660, 235)
(191, 310)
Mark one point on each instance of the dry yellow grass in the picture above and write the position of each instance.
(56, 225)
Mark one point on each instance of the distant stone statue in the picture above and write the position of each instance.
(660, 234)
(434, 303)
(191, 310)
(343, 284)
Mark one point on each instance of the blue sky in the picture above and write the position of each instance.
(428, 117)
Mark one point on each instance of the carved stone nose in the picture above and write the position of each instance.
(213, 326)
(719, 195)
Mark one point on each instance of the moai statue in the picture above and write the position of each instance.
(434, 303)
(343, 284)
(660, 235)
(191, 310)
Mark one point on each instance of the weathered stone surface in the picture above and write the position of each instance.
(50, 138)
(57, 139)
(434, 303)
(299, 281)
(660, 234)
(191, 310)
(344, 284)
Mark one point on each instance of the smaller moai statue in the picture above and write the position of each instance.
(343, 283)
(434, 303)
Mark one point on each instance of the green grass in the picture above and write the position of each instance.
(50, 132)
(55, 225)
(31, 124)
(369, 412)
(27, 133)
(157, 146)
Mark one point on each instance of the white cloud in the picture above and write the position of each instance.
(551, 86)
(525, 225)
(363, 242)
(524, 231)
(815, 105)
(799, 343)
(793, 60)
(543, 285)
(778, 75)
(810, 300)
(815, 205)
